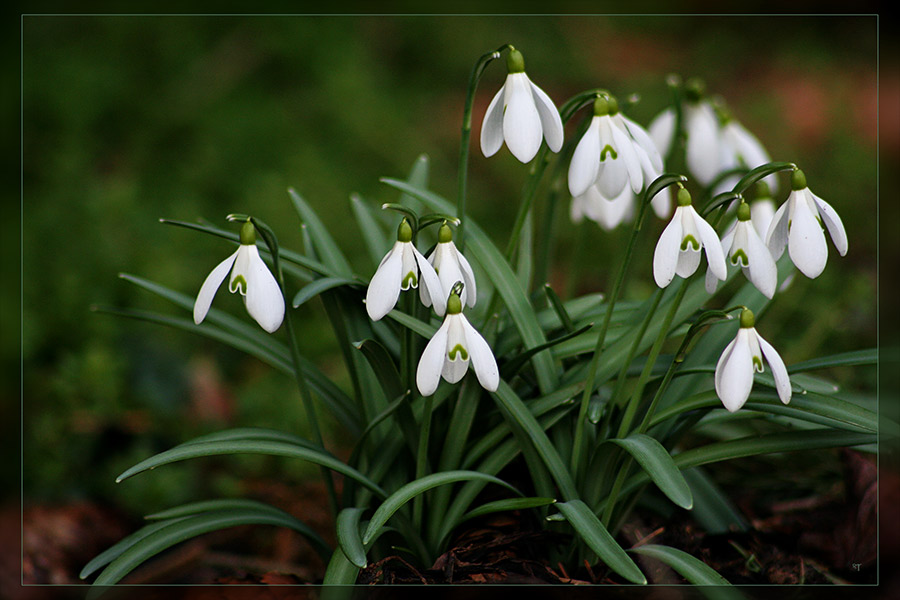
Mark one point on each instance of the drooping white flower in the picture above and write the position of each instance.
(701, 131)
(745, 248)
(251, 277)
(451, 266)
(613, 154)
(403, 267)
(740, 148)
(454, 346)
(762, 210)
(740, 359)
(607, 213)
(520, 114)
(797, 224)
(678, 249)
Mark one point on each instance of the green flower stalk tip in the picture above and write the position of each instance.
(454, 305)
(684, 197)
(404, 232)
(798, 180)
(694, 90)
(743, 212)
(747, 319)
(248, 234)
(515, 62)
(601, 106)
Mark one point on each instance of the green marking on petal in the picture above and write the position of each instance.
(757, 364)
(238, 283)
(690, 240)
(409, 281)
(740, 257)
(608, 149)
(458, 351)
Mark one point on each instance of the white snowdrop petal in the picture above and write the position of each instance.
(576, 209)
(492, 125)
(238, 280)
(662, 203)
(665, 256)
(585, 160)
(763, 272)
(482, 358)
(701, 152)
(688, 261)
(748, 148)
(626, 147)
(428, 277)
(431, 363)
(210, 287)
(735, 380)
(521, 121)
(711, 244)
(551, 122)
(726, 353)
(264, 300)
(662, 130)
(610, 213)
(777, 235)
(833, 223)
(806, 241)
(384, 287)
(612, 177)
(468, 277)
(762, 212)
(779, 371)
(646, 143)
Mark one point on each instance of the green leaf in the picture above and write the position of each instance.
(116, 550)
(253, 433)
(376, 239)
(658, 464)
(425, 330)
(691, 568)
(328, 250)
(559, 308)
(317, 286)
(245, 446)
(174, 532)
(713, 510)
(598, 539)
(505, 282)
(412, 489)
(347, 528)
(512, 367)
(845, 359)
(507, 504)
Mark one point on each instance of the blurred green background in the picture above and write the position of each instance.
(127, 120)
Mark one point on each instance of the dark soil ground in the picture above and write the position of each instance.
(831, 542)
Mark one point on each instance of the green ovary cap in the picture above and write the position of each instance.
(747, 320)
(694, 90)
(684, 197)
(454, 306)
(515, 62)
(798, 180)
(445, 234)
(743, 212)
(248, 234)
(603, 106)
(404, 231)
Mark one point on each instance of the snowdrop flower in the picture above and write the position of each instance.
(520, 114)
(608, 213)
(251, 277)
(701, 129)
(451, 266)
(740, 148)
(745, 249)
(678, 248)
(613, 154)
(798, 225)
(455, 344)
(402, 268)
(741, 358)
(762, 209)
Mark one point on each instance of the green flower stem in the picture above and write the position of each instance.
(422, 458)
(305, 395)
(578, 445)
(474, 78)
(631, 409)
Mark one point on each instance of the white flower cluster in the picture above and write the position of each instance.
(456, 343)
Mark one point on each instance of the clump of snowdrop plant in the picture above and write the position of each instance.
(557, 422)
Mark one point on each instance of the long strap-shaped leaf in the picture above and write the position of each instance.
(250, 446)
(174, 532)
(658, 464)
(598, 539)
(347, 528)
(325, 246)
(504, 279)
(412, 489)
(691, 568)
